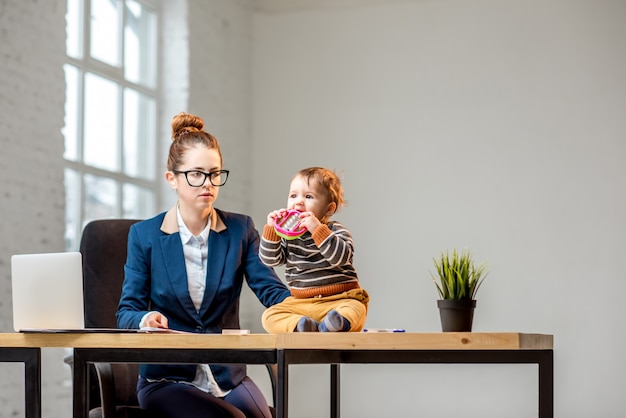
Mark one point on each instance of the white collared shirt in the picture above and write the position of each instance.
(196, 250)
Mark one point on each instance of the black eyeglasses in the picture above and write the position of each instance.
(197, 178)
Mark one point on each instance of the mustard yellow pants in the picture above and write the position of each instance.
(284, 316)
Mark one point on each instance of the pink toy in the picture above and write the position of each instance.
(288, 226)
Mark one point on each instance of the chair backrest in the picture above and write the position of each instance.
(103, 246)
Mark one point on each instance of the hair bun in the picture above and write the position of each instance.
(184, 123)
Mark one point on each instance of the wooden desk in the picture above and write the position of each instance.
(337, 348)
(284, 349)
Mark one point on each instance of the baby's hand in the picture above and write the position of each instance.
(309, 221)
(274, 215)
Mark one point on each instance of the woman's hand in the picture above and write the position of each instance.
(156, 320)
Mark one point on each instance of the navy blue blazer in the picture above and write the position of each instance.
(155, 279)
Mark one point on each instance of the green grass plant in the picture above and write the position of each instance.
(457, 275)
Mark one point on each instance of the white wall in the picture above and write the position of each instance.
(493, 125)
(219, 79)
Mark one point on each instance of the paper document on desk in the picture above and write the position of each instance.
(173, 331)
(155, 330)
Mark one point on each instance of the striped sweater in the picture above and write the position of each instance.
(315, 260)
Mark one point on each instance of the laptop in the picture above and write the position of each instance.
(47, 293)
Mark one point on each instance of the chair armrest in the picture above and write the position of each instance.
(94, 386)
(107, 389)
(272, 370)
(69, 360)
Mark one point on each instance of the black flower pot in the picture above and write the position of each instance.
(456, 315)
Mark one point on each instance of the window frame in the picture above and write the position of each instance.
(76, 213)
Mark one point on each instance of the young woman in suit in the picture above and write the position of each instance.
(184, 271)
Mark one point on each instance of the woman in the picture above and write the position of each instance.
(184, 271)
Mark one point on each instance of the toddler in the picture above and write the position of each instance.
(325, 291)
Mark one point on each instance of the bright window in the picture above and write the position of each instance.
(110, 112)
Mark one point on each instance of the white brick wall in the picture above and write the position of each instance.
(32, 196)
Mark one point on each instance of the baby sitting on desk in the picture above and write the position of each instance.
(325, 291)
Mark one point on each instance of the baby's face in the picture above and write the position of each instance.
(308, 197)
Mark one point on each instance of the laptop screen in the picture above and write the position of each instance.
(47, 291)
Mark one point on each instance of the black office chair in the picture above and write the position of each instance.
(112, 390)
(104, 246)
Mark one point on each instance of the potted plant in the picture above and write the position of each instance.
(458, 279)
